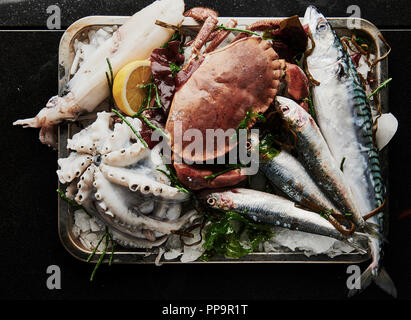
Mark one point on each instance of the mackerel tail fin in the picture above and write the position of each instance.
(381, 279)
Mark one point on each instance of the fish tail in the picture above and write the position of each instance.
(381, 279)
(372, 230)
(355, 241)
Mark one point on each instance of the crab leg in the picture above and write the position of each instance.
(220, 35)
(201, 13)
(260, 25)
(263, 25)
(203, 35)
(210, 19)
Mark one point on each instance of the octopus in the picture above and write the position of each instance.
(112, 175)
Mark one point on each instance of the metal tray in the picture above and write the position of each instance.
(142, 256)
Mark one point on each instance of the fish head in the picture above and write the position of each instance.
(324, 37)
(293, 113)
(216, 199)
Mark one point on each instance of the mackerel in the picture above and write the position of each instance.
(344, 116)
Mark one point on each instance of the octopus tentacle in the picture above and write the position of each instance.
(73, 166)
(71, 189)
(113, 196)
(87, 139)
(120, 136)
(106, 168)
(85, 185)
(138, 181)
(131, 242)
(167, 210)
(126, 156)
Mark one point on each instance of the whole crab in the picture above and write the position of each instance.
(222, 86)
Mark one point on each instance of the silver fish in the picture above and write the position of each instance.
(344, 117)
(287, 173)
(277, 211)
(317, 159)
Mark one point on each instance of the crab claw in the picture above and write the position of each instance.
(297, 82)
(194, 176)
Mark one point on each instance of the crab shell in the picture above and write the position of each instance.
(229, 82)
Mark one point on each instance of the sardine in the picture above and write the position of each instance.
(277, 211)
(317, 159)
(134, 40)
(344, 116)
(286, 173)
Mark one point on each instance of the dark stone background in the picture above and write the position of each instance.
(28, 201)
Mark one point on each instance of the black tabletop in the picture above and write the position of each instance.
(28, 228)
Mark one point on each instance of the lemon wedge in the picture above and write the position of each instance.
(127, 91)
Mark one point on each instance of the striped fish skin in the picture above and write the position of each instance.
(344, 116)
(287, 173)
(317, 159)
(275, 210)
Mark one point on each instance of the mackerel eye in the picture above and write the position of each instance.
(322, 26)
(211, 201)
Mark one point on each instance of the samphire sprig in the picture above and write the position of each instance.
(146, 106)
(110, 81)
(221, 27)
(131, 127)
(174, 179)
(229, 168)
(109, 239)
(382, 85)
(106, 235)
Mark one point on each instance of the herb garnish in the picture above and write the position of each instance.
(147, 101)
(382, 85)
(176, 36)
(110, 81)
(222, 27)
(174, 179)
(174, 68)
(249, 117)
(230, 167)
(311, 109)
(266, 147)
(108, 238)
(326, 214)
(131, 127)
(233, 236)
